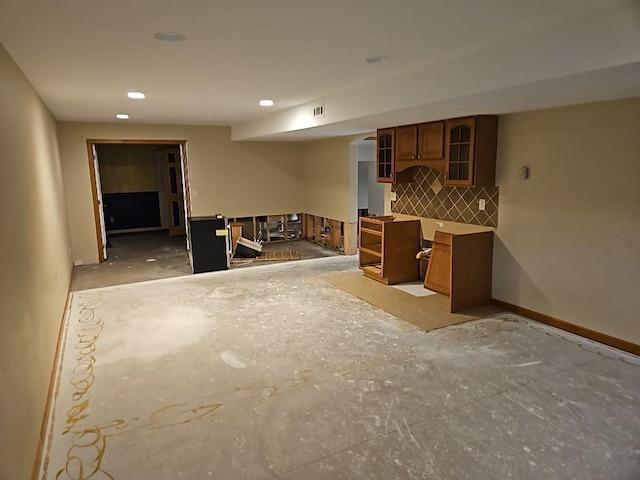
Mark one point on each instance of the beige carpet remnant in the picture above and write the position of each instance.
(426, 312)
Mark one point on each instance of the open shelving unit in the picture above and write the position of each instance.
(388, 249)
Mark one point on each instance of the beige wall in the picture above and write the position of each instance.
(128, 168)
(36, 266)
(330, 177)
(235, 179)
(568, 239)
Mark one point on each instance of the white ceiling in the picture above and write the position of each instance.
(445, 59)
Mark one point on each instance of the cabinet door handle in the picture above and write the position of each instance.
(419, 156)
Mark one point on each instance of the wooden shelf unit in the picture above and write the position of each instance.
(387, 249)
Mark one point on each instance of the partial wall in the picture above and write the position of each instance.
(36, 266)
(126, 168)
(236, 179)
(375, 190)
(330, 178)
(568, 238)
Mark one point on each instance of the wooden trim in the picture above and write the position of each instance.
(139, 142)
(185, 180)
(96, 208)
(570, 327)
(350, 238)
(179, 196)
(52, 386)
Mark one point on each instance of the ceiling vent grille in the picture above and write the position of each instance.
(318, 111)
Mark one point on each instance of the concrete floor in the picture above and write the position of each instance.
(139, 257)
(272, 372)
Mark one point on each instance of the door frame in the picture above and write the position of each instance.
(184, 164)
(97, 183)
(171, 197)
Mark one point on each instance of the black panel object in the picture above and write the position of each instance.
(209, 243)
(131, 210)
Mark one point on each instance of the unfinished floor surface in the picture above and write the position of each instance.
(272, 372)
(143, 256)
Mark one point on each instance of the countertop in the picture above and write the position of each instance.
(430, 225)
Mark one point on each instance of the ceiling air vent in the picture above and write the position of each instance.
(318, 111)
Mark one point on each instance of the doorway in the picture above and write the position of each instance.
(139, 186)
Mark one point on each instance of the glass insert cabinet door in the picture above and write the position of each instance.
(460, 147)
(385, 155)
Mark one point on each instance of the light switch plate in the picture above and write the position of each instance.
(394, 196)
(482, 204)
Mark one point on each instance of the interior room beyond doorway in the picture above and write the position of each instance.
(137, 182)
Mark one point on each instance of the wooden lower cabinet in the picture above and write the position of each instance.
(460, 266)
(438, 277)
(387, 249)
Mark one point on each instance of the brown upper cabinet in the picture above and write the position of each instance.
(463, 148)
(421, 144)
(385, 158)
(470, 151)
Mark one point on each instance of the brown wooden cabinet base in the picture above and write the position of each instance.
(438, 277)
(388, 249)
(460, 266)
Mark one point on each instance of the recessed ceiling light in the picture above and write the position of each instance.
(378, 59)
(169, 36)
(122, 116)
(135, 95)
(266, 102)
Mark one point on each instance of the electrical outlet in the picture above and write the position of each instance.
(440, 224)
(482, 204)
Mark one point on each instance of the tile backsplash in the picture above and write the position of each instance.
(426, 196)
